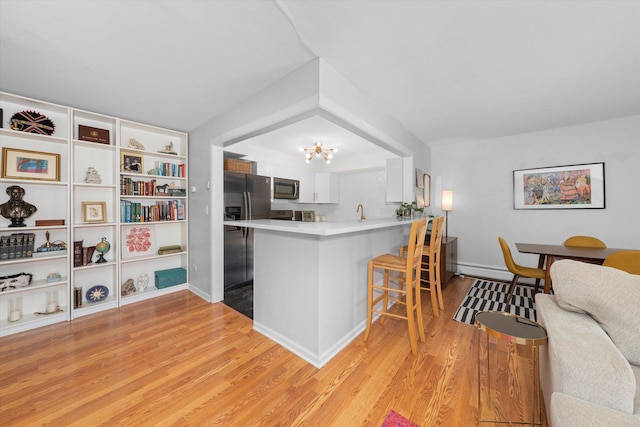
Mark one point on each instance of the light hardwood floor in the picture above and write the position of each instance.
(177, 360)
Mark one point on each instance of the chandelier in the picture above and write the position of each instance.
(326, 153)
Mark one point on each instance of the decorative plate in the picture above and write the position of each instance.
(32, 122)
(97, 293)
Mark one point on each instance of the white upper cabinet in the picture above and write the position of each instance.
(327, 187)
(400, 180)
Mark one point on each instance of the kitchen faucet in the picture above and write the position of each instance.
(360, 209)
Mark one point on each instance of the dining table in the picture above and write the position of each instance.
(549, 253)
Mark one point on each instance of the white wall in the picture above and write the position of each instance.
(480, 173)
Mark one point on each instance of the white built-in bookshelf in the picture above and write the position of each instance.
(146, 226)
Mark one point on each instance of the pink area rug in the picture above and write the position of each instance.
(394, 419)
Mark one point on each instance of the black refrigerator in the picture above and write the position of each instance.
(246, 197)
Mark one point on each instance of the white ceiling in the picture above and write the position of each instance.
(282, 146)
(447, 70)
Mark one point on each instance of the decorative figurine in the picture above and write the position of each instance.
(102, 248)
(133, 143)
(168, 149)
(128, 288)
(142, 282)
(92, 177)
(15, 208)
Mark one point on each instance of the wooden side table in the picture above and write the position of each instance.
(448, 259)
(515, 330)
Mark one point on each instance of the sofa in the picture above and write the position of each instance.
(590, 367)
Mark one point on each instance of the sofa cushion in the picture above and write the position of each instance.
(609, 295)
(581, 360)
(636, 404)
(570, 411)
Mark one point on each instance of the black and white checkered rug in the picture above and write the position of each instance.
(485, 295)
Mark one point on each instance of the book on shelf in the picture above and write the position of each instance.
(31, 239)
(77, 253)
(49, 222)
(4, 248)
(170, 249)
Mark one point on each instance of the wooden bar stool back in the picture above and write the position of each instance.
(407, 270)
(431, 281)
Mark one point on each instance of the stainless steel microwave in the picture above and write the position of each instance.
(284, 188)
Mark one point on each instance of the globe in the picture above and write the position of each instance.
(102, 248)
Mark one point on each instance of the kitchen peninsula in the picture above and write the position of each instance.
(310, 280)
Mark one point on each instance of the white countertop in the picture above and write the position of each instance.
(328, 228)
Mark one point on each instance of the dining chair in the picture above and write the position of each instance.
(518, 270)
(407, 280)
(628, 261)
(585, 242)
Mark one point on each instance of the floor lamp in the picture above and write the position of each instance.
(447, 205)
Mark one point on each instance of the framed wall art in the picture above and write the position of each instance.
(138, 240)
(27, 164)
(578, 186)
(131, 162)
(426, 189)
(419, 180)
(93, 212)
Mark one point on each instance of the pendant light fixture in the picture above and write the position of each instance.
(318, 151)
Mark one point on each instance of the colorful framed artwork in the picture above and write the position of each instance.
(138, 241)
(27, 164)
(578, 186)
(131, 162)
(94, 212)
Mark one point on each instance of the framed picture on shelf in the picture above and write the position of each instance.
(560, 187)
(138, 240)
(93, 212)
(131, 162)
(27, 164)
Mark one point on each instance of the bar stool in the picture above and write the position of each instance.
(408, 269)
(430, 264)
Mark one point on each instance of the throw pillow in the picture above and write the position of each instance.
(609, 295)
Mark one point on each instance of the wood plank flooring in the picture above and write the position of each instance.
(177, 360)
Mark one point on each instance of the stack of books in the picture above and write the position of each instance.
(164, 210)
(17, 245)
(172, 169)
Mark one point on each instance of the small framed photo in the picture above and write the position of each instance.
(138, 240)
(27, 164)
(560, 187)
(93, 212)
(131, 162)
